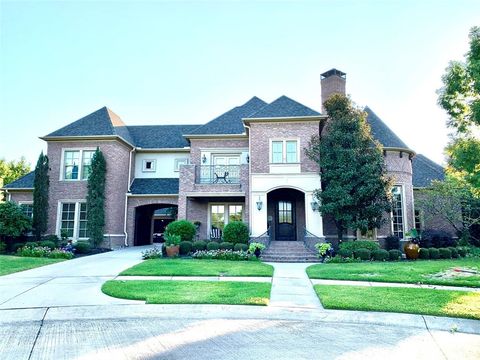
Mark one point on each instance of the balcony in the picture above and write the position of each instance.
(217, 174)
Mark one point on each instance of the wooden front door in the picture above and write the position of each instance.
(285, 221)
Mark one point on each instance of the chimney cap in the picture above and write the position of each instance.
(332, 72)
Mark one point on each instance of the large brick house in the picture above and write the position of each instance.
(247, 164)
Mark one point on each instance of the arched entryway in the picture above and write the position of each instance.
(286, 214)
(150, 222)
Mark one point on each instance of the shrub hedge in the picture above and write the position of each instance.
(345, 253)
(226, 246)
(184, 228)
(380, 255)
(83, 247)
(454, 252)
(392, 242)
(424, 254)
(213, 245)
(436, 238)
(434, 253)
(445, 253)
(199, 245)
(186, 247)
(462, 251)
(359, 244)
(362, 254)
(394, 255)
(240, 247)
(236, 232)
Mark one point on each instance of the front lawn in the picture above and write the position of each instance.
(400, 300)
(194, 267)
(12, 264)
(190, 292)
(420, 271)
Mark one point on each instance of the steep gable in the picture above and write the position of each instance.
(382, 132)
(284, 107)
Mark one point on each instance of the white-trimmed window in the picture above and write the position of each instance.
(178, 162)
(284, 151)
(27, 208)
(77, 164)
(398, 224)
(149, 165)
(73, 219)
(221, 215)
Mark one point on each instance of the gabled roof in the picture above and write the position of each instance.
(160, 136)
(25, 182)
(101, 122)
(155, 186)
(283, 107)
(230, 122)
(382, 132)
(425, 170)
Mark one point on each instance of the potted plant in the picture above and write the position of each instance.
(412, 247)
(172, 244)
(324, 250)
(256, 248)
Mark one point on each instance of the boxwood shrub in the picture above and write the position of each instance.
(462, 251)
(392, 242)
(47, 243)
(82, 247)
(199, 245)
(186, 247)
(454, 252)
(236, 232)
(226, 246)
(362, 254)
(434, 253)
(184, 228)
(424, 254)
(240, 247)
(394, 255)
(445, 253)
(380, 255)
(213, 245)
(359, 244)
(345, 253)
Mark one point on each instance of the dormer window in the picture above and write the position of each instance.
(77, 164)
(149, 165)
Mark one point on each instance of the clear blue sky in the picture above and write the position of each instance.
(157, 62)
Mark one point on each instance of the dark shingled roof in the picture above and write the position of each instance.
(231, 121)
(425, 170)
(25, 182)
(284, 107)
(382, 132)
(160, 136)
(155, 186)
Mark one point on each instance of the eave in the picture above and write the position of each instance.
(87, 138)
(315, 118)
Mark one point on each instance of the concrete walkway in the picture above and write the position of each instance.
(68, 283)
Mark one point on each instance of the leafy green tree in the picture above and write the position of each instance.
(13, 221)
(96, 198)
(41, 185)
(355, 188)
(460, 97)
(12, 170)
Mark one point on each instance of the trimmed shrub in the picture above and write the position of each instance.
(462, 251)
(436, 239)
(359, 244)
(82, 247)
(240, 247)
(424, 254)
(445, 253)
(47, 243)
(31, 244)
(199, 245)
(362, 254)
(236, 232)
(185, 229)
(223, 255)
(392, 242)
(33, 251)
(60, 254)
(341, 260)
(226, 246)
(345, 253)
(434, 253)
(454, 252)
(394, 255)
(53, 238)
(380, 255)
(186, 247)
(213, 245)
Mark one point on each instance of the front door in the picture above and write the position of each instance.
(285, 224)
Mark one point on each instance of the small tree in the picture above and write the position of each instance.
(13, 222)
(96, 198)
(41, 186)
(355, 188)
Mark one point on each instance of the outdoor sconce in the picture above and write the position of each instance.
(204, 159)
(315, 206)
(259, 204)
(248, 159)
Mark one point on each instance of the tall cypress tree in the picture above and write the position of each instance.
(355, 188)
(96, 198)
(41, 186)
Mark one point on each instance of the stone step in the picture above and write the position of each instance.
(298, 253)
(290, 259)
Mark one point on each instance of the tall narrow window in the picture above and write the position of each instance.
(291, 150)
(418, 220)
(277, 151)
(73, 220)
(82, 222)
(218, 217)
(397, 212)
(235, 213)
(68, 219)
(87, 163)
(72, 163)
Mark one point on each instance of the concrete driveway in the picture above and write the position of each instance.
(69, 283)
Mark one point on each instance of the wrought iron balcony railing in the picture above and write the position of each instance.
(217, 174)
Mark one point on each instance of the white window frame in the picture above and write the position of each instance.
(177, 162)
(76, 219)
(80, 165)
(284, 151)
(404, 218)
(144, 165)
(20, 203)
(226, 213)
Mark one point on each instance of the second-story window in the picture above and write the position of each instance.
(77, 164)
(149, 165)
(284, 151)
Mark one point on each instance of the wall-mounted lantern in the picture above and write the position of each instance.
(259, 204)
(315, 205)
(248, 159)
(204, 159)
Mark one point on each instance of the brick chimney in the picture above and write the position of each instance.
(332, 82)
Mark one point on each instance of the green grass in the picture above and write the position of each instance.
(190, 292)
(420, 271)
(401, 300)
(12, 264)
(194, 267)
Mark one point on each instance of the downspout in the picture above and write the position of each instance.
(126, 196)
(9, 196)
(250, 211)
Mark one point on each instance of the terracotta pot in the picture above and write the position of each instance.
(411, 250)
(172, 250)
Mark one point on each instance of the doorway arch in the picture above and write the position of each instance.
(286, 214)
(150, 222)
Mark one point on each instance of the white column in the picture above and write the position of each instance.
(313, 219)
